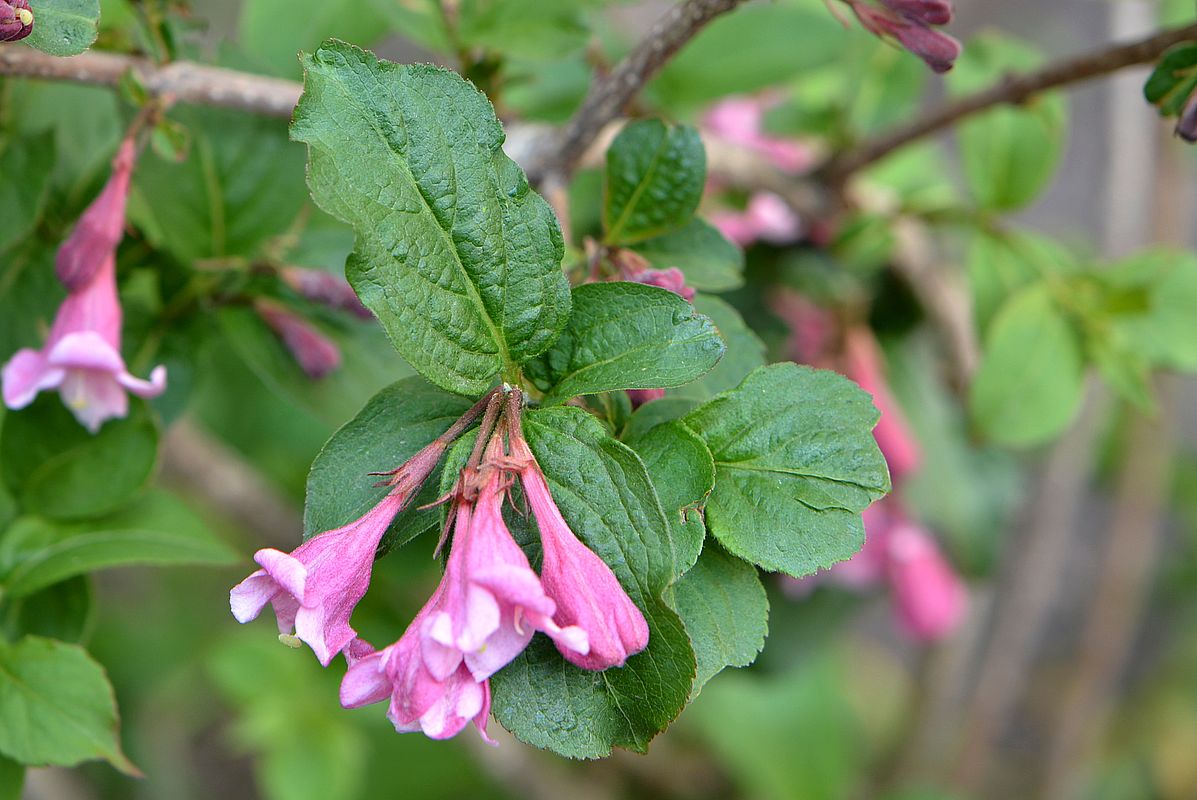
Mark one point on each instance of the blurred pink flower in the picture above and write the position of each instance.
(325, 288)
(672, 279)
(929, 597)
(16, 20)
(587, 593)
(82, 358)
(740, 121)
(316, 354)
(767, 218)
(641, 396)
(863, 363)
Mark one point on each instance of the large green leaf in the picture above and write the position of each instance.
(272, 33)
(63, 611)
(390, 429)
(745, 352)
(56, 706)
(26, 164)
(1009, 153)
(626, 336)
(64, 27)
(12, 779)
(710, 262)
(655, 177)
(1029, 384)
(724, 608)
(1163, 329)
(1000, 265)
(795, 464)
(608, 500)
(57, 469)
(157, 529)
(455, 254)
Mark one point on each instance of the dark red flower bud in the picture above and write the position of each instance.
(932, 12)
(325, 288)
(938, 50)
(16, 20)
(1186, 125)
(316, 354)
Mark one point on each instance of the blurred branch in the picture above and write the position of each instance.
(1012, 90)
(180, 81)
(200, 465)
(611, 93)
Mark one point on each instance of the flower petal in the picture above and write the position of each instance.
(26, 374)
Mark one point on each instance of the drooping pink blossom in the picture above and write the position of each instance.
(101, 226)
(741, 121)
(16, 20)
(315, 587)
(672, 279)
(419, 701)
(910, 22)
(929, 598)
(587, 593)
(82, 358)
(862, 571)
(812, 327)
(862, 362)
(316, 354)
(767, 217)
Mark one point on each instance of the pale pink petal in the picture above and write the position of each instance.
(248, 598)
(26, 374)
(288, 572)
(94, 397)
(86, 350)
(151, 388)
(366, 681)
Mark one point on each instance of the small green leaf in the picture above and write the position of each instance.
(156, 529)
(57, 469)
(606, 496)
(455, 254)
(795, 465)
(56, 706)
(655, 177)
(710, 262)
(1009, 154)
(998, 266)
(1164, 330)
(64, 27)
(745, 352)
(723, 605)
(390, 429)
(1028, 387)
(626, 336)
(1174, 79)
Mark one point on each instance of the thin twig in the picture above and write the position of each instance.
(183, 81)
(1012, 90)
(610, 94)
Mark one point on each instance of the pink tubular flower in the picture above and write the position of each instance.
(863, 364)
(315, 588)
(766, 218)
(100, 228)
(326, 288)
(316, 354)
(740, 121)
(641, 396)
(929, 598)
(16, 20)
(587, 592)
(82, 358)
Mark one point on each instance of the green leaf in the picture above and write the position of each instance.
(710, 262)
(64, 27)
(1028, 387)
(12, 778)
(56, 706)
(157, 529)
(795, 464)
(998, 266)
(723, 605)
(654, 180)
(626, 336)
(524, 28)
(455, 254)
(239, 186)
(1173, 80)
(1009, 154)
(272, 33)
(394, 425)
(63, 611)
(606, 496)
(57, 469)
(26, 164)
(745, 352)
(1163, 330)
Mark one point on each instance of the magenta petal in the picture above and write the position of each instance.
(326, 633)
(86, 350)
(288, 572)
(462, 701)
(94, 397)
(248, 598)
(929, 597)
(26, 374)
(155, 386)
(366, 681)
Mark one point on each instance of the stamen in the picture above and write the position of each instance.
(519, 616)
(25, 16)
(290, 640)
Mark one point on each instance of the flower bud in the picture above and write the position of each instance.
(316, 354)
(932, 12)
(1186, 125)
(16, 20)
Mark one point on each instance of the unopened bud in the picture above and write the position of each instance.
(16, 20)
(316, 354)
(932, 12)
(1186, 125)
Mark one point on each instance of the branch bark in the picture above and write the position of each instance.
(1012, 90)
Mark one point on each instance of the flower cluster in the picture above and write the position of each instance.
(930, 600)
(16, 20)
(82, 355)
(485, 610)
(912, 24)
